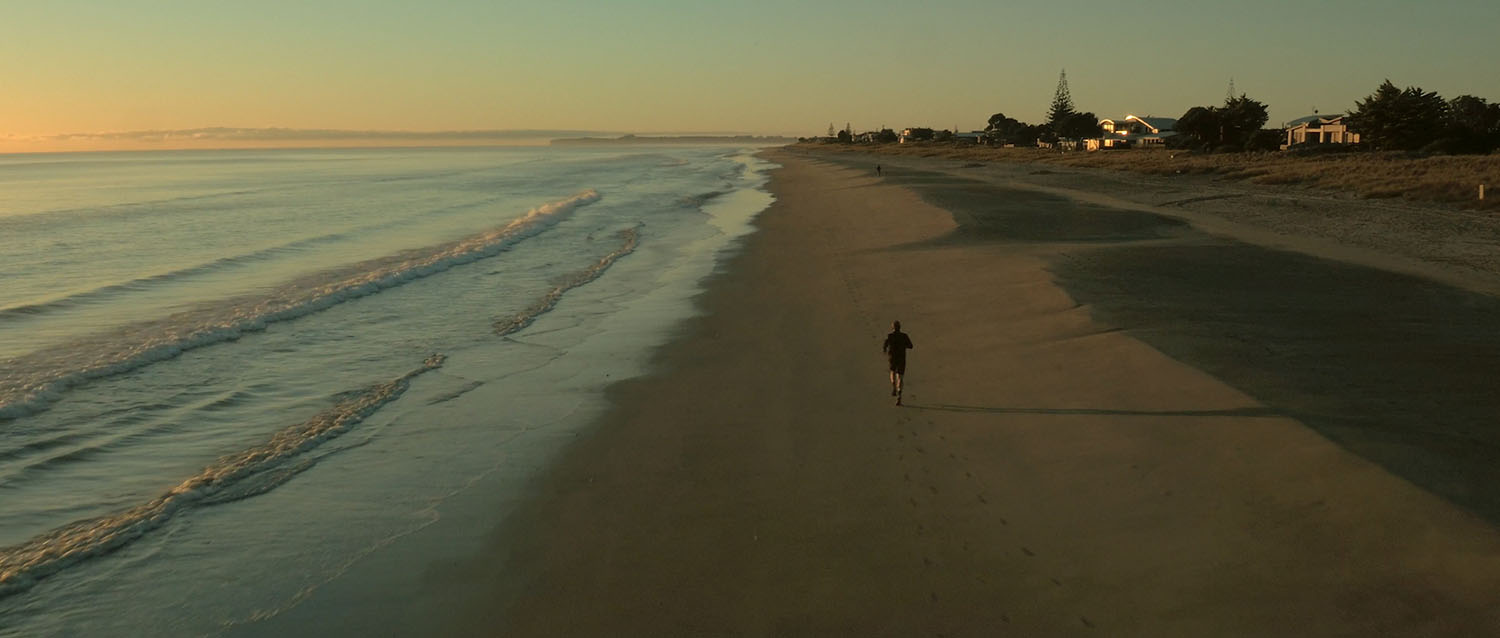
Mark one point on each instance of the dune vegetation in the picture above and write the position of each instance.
(1446, 179)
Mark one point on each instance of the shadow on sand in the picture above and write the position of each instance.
(1236, 412)
(1402, 371)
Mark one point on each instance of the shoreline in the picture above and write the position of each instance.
(1051, 474)
(1059, 469)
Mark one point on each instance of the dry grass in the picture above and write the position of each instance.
(1452, 180)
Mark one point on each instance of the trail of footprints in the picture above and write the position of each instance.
(910, 438)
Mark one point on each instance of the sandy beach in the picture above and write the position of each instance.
(1077, 455)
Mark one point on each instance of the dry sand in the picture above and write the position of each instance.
(1051, 475)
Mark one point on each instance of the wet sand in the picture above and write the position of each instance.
(1395, 367)
(1087, 449)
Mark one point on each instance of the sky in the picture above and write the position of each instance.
(77, 74)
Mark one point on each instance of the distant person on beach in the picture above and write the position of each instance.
(877, 170)
(896, 345)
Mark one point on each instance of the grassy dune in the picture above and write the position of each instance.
(1452, 180)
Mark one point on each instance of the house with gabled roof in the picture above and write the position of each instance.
(1134, 132)
(1319, 129)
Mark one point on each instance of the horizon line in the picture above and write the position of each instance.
(232, 138)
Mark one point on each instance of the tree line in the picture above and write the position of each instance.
(1407, 119)
(1410, 119)
(1390, 119)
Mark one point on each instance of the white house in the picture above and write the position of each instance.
(1319, 129)
(1132, 131)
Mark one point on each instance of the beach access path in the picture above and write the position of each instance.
(1050, 475)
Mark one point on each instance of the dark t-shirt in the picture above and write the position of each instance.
(896, 345)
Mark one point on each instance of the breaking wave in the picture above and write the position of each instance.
(630, 237)
(31, 382)
(141, 283)
(248, 473)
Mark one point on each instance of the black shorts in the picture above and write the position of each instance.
(898, 366)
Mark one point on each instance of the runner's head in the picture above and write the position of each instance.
(896, 325)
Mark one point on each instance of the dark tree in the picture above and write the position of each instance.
(921, 134)
(1399, 119)
(845, 137)
(1239, 120)
(998, 120)
(1200, 124)
(943, 135)
(1078, 126)
(1236, 125)
(1473, 125)
(1266, 139)
(1008, 130)
(1062, 103)
(886, 136)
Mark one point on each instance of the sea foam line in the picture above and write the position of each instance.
(139, 283)
(32, 382)
(70, 300)
(237, 476)
(631, 237)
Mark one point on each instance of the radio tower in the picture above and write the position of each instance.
(1230, 95)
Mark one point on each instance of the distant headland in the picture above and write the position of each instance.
(674, 139)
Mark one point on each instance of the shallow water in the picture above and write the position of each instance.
(227, 376)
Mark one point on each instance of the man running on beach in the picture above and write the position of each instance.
(896, 345)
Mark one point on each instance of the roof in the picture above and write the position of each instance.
(1157, 123)
(1314, 121)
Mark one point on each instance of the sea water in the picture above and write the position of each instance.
(226, 377)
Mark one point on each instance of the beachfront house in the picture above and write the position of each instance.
(972, 137)
(1134, 132)
(1319, 129)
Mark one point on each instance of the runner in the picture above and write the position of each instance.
(896, 345)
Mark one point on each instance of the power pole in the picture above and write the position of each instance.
(1230, 95)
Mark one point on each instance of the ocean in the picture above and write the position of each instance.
(227, 377)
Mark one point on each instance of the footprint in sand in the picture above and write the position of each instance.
(1028, 552)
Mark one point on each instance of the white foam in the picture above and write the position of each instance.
(247, 473)
(32, 382)
(631, 237)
